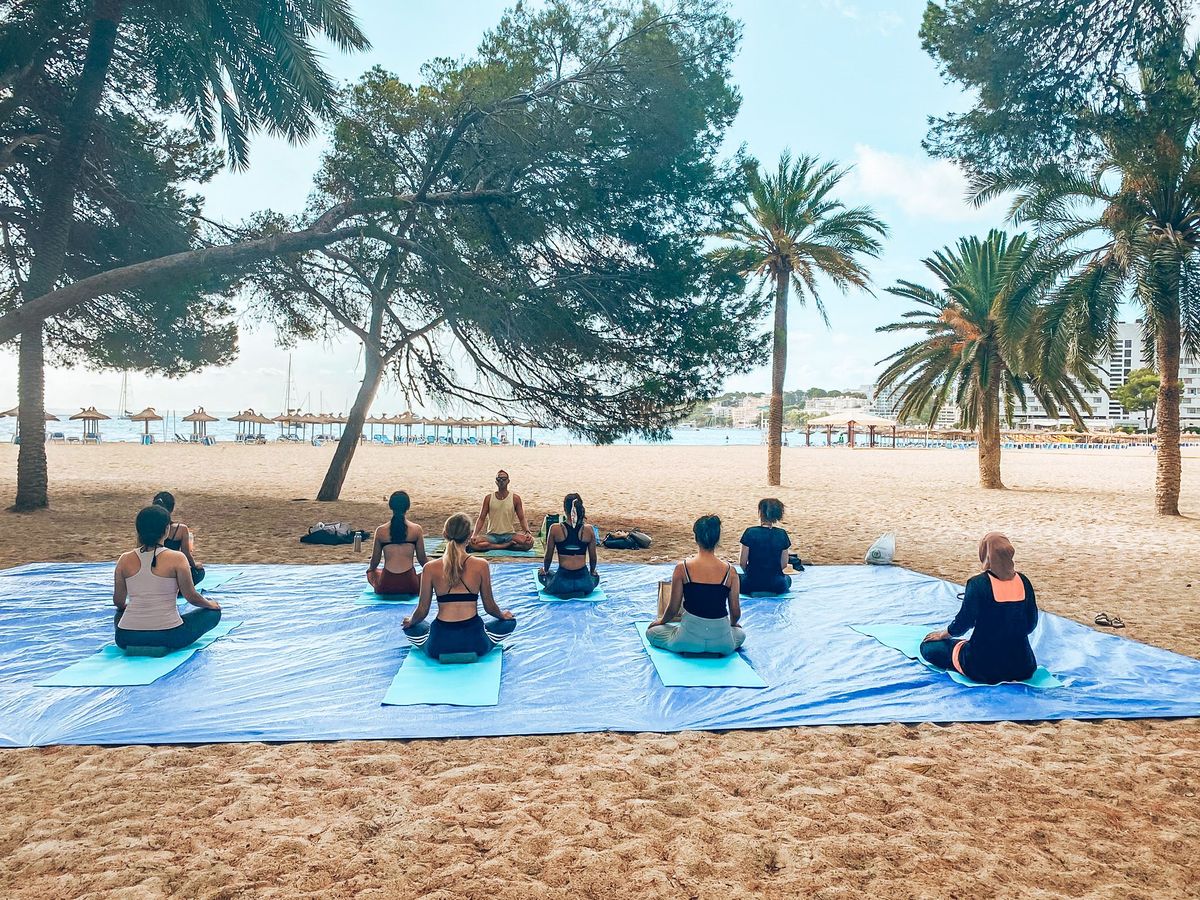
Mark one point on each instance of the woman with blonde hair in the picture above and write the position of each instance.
(999, 604)
(459, 581)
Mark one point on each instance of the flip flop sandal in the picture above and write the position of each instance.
(1103, 619)
(1116, 622)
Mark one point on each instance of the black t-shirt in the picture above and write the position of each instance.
(766, 550)
(999, 646)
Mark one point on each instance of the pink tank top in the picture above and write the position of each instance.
(151, 605)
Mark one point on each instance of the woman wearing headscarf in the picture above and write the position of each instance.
(999, 604)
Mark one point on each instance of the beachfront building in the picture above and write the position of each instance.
(886, 404)
(823, 406)
(1130, 351)
(751, 412)
(720, 414)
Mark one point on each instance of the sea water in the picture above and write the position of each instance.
(118, 430)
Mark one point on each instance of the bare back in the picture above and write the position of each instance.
(475, 580)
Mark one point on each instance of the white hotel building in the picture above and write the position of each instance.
(1129, 353)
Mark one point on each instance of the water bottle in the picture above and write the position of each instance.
(357, 541)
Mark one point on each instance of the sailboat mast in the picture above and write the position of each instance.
(287, 394)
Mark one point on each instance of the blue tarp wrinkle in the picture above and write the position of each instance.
(308, 664)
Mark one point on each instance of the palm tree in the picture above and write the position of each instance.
(792, 231)
(246, 63)
(984, 343)
(1129, 226)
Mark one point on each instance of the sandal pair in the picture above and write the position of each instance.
(1109, 621)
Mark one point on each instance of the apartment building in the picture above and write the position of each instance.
(1130, 351)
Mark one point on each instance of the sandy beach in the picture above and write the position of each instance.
(1069, 809)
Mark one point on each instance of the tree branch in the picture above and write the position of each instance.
(226, 257)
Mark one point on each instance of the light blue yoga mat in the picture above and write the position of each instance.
(596, 596)
(112, 668)
(699, 671)
(214, 580)
(434, 546)
(520, 554)
(907, 639)
(369, 598)
(422, 681)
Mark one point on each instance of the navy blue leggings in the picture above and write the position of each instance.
(569, 583)
(195, 623)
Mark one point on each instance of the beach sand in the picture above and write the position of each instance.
(1067, 809)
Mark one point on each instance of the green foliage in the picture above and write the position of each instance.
(792, 227)
(983, 337)
(577, 155)
(1130, 223)
(232, 65)
(1035, 69)
(132, 204)
(1139, 393)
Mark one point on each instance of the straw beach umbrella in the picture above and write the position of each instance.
(848, 419)
(200, 419)
(14, 412)
(248, 417)
(408, 420)
(146, 416)
(91, 418)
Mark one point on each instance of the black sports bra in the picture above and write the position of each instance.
(572, 545)
(458, 597)
(172, 543)
(383, 544)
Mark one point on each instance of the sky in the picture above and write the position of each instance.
(845, 80)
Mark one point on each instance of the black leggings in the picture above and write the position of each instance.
(438, 638)
(773, 584)
(569, 583)
(940, 653)
(195, 623)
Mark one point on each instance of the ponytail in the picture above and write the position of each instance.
(573, 508)
(399, 504)
(166, 500)
(457, 530)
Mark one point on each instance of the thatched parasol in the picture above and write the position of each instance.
(91, 418)
(848, 419)
(146, 416)
(15, 413)
(200, 419)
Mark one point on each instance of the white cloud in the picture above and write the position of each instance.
(885, 20)
(931, 189)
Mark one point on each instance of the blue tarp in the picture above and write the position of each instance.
(309, 664)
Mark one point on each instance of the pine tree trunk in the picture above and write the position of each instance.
(1167, 478)
(335, 477)
(50, 248)
(989, 440)
(778, 370)
(31, 424)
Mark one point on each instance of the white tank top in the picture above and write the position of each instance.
(151, 605)
(502, 517)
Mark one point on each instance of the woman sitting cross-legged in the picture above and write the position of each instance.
(399, 546)
(575, 542)
(179, 536)
(146, 583)
(1000, 605)
(708, 590)
(459, 582)
(765, 552)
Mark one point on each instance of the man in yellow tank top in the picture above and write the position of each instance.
(501, 522)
